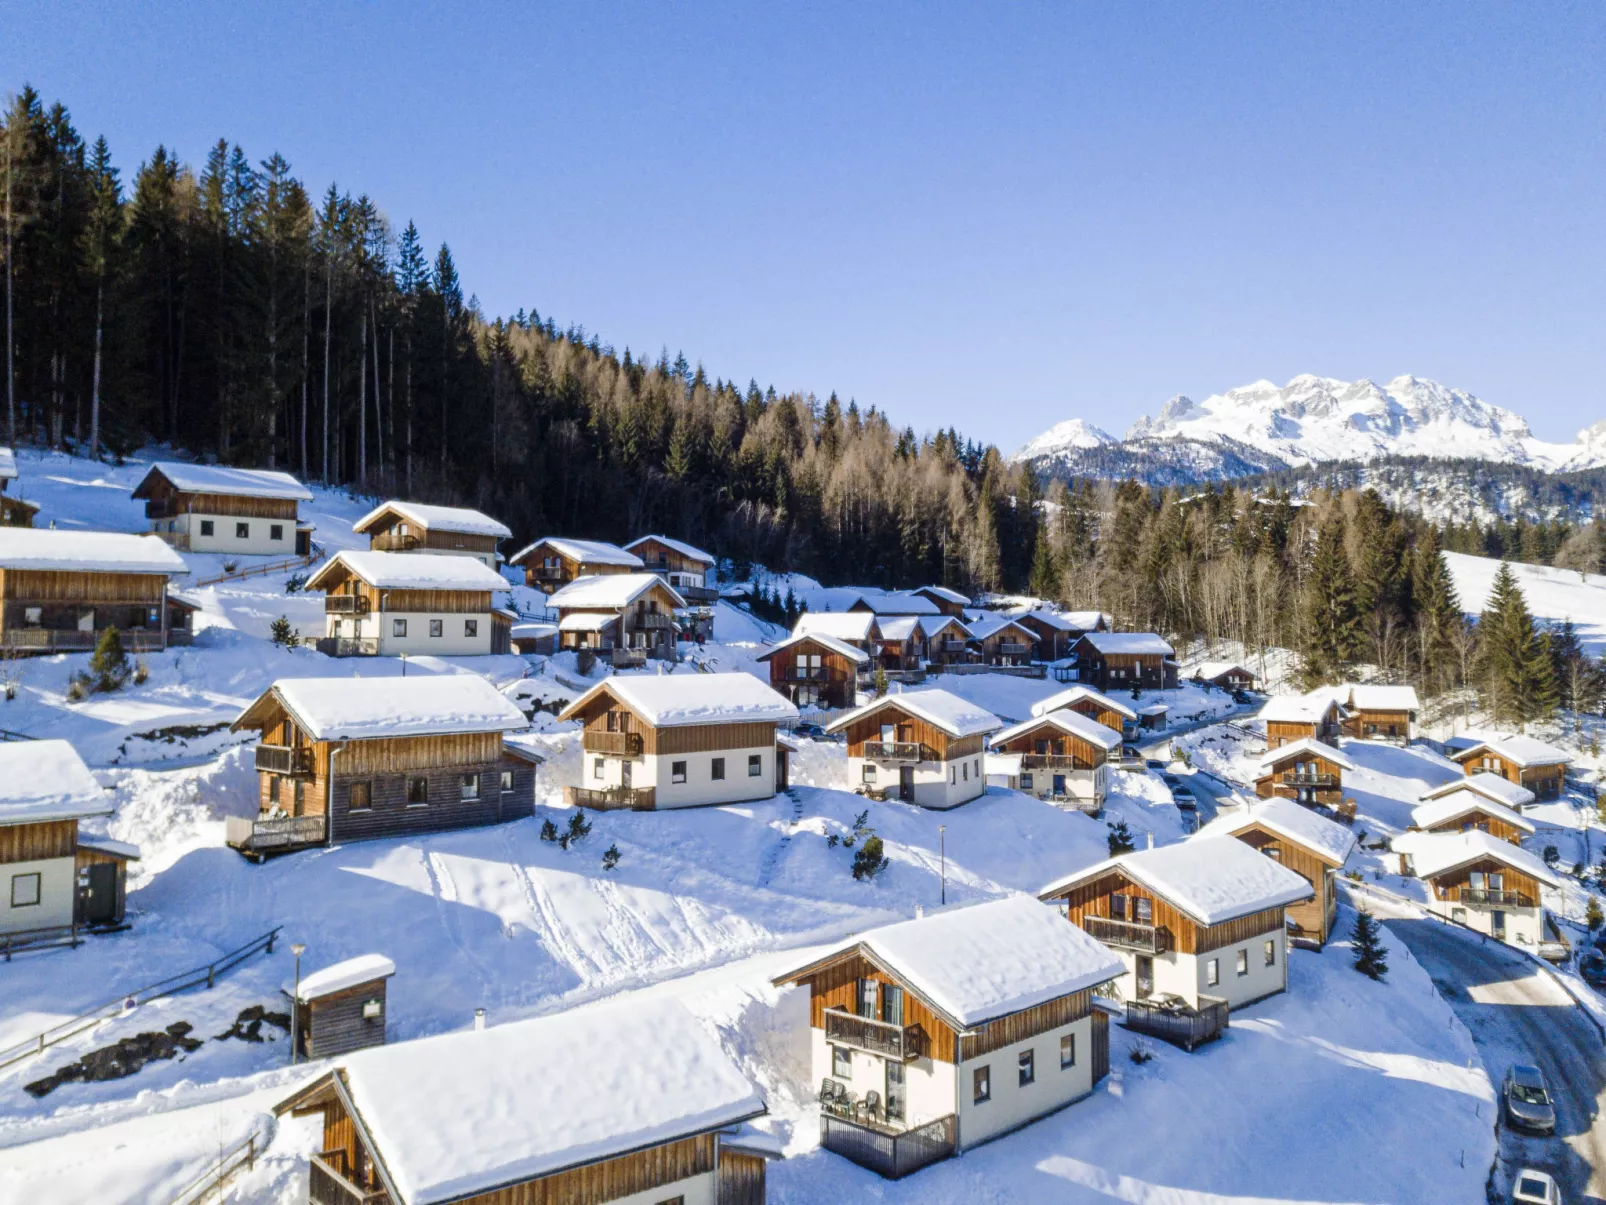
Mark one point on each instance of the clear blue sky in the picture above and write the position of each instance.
(993, 216)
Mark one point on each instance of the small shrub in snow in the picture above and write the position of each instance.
(282, 634)
(294, 583)
(109, 663)
(1593, 916)
(1552, 855)
(1141, 1052)
(869, 861)
(832, 841)
(79, 687)
(142, 671)
(610, 857)
(549, 831)
(1371, 959)
(880, 681)
(579, 829)
(1121, 839)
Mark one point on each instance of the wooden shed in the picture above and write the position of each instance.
(340, 1008)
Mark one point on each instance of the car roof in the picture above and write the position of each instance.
(1527, 1072)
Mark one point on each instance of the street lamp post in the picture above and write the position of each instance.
(298, 949)
(942, 853)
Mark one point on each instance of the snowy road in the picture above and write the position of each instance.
(1518, 1013)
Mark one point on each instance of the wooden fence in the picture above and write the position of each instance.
(242, 1156)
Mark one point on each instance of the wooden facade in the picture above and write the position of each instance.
(392, 531)
(39, 841)
(810, 673)
(1546, 781)
(1101, 713)
(343, 584)
(1312, 919)
(1236, 678)
(1181, 932)
(1123, 671)
(51, 610)
(1011, 644)
(944, 604)
(1516, 890)
(1049, 746)
(1374, 724)
(659, 557)
(1053, 642)
(611, 726)
(1304, 777)
(17, 512)
(1476, 818)
(102, 886)
(646, 623)
(907, 728)
(547, 568)
(164, 500)
(340, 1022)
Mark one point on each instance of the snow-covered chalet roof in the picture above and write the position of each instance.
(1326, 838)
(934, 625)
(1306, 746)
(610, 591)
(943, 592)
(1073, 723)
(86, 551)
(1060, 621)
(1209, 671)
(953, 715)
(986, 960)
(1212, 879)
(844, 625)
(1448, 808)
(328, 980)
(1366, 697)
(678, 700)
(586, 552)
(586, 621)
(47, 780)
(1129, 643)
(898, 627)
(411, 571)
(8, 464)
(690, 551)
(436, 518)
(459, 1114)
(1523, 751)
(1490, 786)
(990, 625)
(1434, 854)
(1298, 709)
(330, 709)
(898, 603)
(220, 479)
(1077, 694)
(857, 655)
(1005, 765)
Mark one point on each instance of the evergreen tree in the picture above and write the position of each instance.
(1438, 614)
(869, 859)
(1516, 674)
(1120, 839)
(109, 663)
(281, 633)
(1371, 958)
(1044, 581)
(1332, 627)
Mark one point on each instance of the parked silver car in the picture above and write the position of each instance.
(1527, 1100)
(1534, 1188)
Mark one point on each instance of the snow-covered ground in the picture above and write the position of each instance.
(1552, 594)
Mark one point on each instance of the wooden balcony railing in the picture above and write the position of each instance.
(394, 541)
(626, 744)
(610, 799)
(901, 1042)
(1129, 935)
(278, 834)
(1498, 899)
(1173, 1021)
(1050, 761)
(327, 1186)
(71, 640)
(547, 573)
(284, 759)
(627, 658)
(345, 604)
(1011, 648)
(648, 621)
(888, 1150)
(347, 646)
(952, 646)
(910, 751)
(1309, 780)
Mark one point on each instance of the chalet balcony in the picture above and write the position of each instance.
(327, 1183)
(163, 508)
(611, 799)
(1127, 934)
(284, 759)
(628, 658)
(651, 621)
(1173, 1020)
(1308, 780)
(348, 646)
(900, 1042)
(72, 640)
(898, 751)
(698, 594)
(951, 646)
(395, 541)
(622, 744)
(547, 575)
(273, 835)
(885, 1147)
(1012, 648)
(801, 673)
(1495, 899)
(1050, 761)
(345, 604)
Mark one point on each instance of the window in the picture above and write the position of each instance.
(33, 617)
(471, 628)
(869, 772)
(206, 527)
(1271, 952)
(1027, 1065)
(755, 765)
(437, 627)
(841, 1062)
(276, 531)
(507, 780)
(981, 1086)
(471, 786)
(718, 769)
(1117, 906)
(1026, 782)
(301, 795)
(25, 889)
(242, 531)
(273, 788)
(1212, 972)
(868, 997)
(677, 771)
(599, 768)
(1143, 910)
(1067, 1051)
(895, 1090)
(892, 1004)
(953, 775)
(1243, 962)
(417, 792)
(361, 797)
(965, 766)
(398, 627)
(680, 1200)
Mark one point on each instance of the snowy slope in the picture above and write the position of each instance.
(1552, 594)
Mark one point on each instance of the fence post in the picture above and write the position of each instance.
(211, 974)
(272, 937)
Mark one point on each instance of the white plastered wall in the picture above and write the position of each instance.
(452, 642)
(701, 788)
(57, 888)
(1524, 926)
(1259, 980)
(929, 1085)
(937, 785)
(1013, 1104)
(258, 542)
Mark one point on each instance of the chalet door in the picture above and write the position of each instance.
(895, 1090)
(97, 893)
(906, 783)
(1497, 924)
(1059, 784)
(1143, 972)
(781, 769)
(625, 774)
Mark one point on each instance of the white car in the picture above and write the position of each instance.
(1532, 1187)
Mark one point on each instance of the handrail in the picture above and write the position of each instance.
(894, 751)
(294, 562)
(224, 1168)
(1133, 934)
(172, 985)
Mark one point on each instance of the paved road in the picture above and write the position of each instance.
(1518, 1013)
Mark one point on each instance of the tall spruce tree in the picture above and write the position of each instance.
(1332, 632)
(1516, 677)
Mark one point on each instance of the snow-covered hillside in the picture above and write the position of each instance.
(1553, 595)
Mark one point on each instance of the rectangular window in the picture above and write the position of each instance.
(1027, 1066)
(599, 768)
(755, 765)
(507, 780)
(206, 527)
(1271, 952)
(981, 1086)
(869, 772)
(1212, 972)
(276, 531)
(1067, 1051)
(25, 889)
(892, 1004)
(471, 786)
(1026, 782)
(361, 797)
(869, 996)
(437, 627)
(953, 775)
(273, 788)
(471, 628)
(1142, 910)
(841, 1062)
(1243, 962)
(33, 617)
(895, 1090)
(301, 795)
(1117, 906)
(398, 627)
(965, 766)
(242, 531)
(677, 771)
(718, 769)
(417, 791)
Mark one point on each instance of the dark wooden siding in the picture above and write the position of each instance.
(741, 1178)
(35, 842)
(1493, 825)
(334, 1024)
(837, 986)
(1086, 755)
(1027, 1023)
(1187, 935)
(390, 815)
(942, 746)
(1311, 916)
(49, 585)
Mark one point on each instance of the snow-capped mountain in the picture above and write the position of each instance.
(1315, 420)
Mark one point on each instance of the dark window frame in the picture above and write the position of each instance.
(22, 879)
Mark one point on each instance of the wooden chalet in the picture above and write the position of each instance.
(1200, 927)
(903, 642)
(895, 602)
(1479, 880)
(861, 629)
(1125, 661)
(934, 1035)
(947, 602)
(213, 508)
(818, 671)
(60, 589)
(947, 639)
(441, 530)
(339, 1008)
(1056, 632)
(684, 566)
(1306, 771)
(350, 759)
(659, 741)
(1288, 718)
(1084, 700)
(629, 1101)
(1065, 758)
(1529, 763)
(919, 746)
(14, 511)
(1000, 640)
(556, 561)
(389, 603)
(1465, 810)
(628, 617)
(1224, 675)
(1379, 713)
(54, 882)
(1312, 846)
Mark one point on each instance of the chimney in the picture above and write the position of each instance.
(479, 1018)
